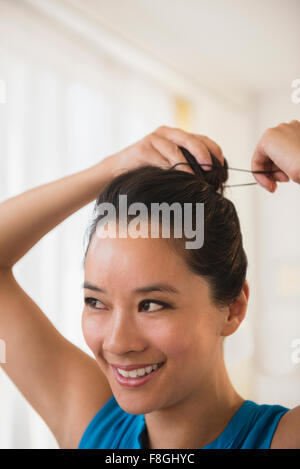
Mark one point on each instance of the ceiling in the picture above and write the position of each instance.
(249, 45)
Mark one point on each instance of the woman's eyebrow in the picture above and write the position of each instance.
(89, 286)
(162, 287)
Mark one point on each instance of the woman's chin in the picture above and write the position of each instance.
(134, 405)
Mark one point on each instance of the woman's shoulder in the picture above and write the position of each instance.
(258, 424)
(251, 427)
(287, 434)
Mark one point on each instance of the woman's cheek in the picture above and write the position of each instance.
(174, 340)
(185, 341)
(91, 331)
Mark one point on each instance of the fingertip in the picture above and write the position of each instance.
(273, 187)
(207, 166)
(185, 167)
(189, 170)
(282, 177)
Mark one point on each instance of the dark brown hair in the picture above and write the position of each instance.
(221, 260)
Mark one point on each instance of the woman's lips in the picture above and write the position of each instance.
(134, 382)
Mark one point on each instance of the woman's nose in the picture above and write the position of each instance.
(123, 335)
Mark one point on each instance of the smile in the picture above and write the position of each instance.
(136, 377)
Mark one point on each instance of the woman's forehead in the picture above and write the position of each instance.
(130, 250)
(135, 263)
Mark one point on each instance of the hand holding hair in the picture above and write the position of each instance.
(161, 148)
(276, 158)
(278, 151)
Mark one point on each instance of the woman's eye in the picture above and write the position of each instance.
(91, 302)
(146, 304)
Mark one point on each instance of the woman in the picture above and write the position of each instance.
(147, 302)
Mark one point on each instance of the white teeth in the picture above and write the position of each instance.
(138, 372)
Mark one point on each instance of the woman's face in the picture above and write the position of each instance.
(124, 326)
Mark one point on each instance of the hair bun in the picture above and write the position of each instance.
(215, 177)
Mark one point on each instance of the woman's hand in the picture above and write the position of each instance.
(278, 149)
(160, 148)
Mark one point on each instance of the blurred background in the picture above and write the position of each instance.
(81, 79)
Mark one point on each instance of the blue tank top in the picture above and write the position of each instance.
(251, 427)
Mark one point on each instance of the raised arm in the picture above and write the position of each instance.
(27, 217)
(58, 379)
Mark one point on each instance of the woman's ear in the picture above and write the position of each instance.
(236, 311)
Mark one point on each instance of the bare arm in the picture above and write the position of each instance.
(63, 384)
(27, 217)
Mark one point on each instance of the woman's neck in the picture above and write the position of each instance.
(198, 419)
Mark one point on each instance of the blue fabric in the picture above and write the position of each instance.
(251, 427)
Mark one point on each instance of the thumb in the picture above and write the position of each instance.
(261, 162)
